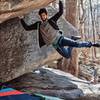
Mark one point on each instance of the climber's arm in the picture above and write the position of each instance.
(59, 13)
(29, 27)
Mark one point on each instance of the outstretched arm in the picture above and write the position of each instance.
(29, 27)
(59, 13)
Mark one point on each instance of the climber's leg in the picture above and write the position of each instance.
(72, 43)
(65, 52)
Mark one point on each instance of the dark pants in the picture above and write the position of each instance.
(66, 51)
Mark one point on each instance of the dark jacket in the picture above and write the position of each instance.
(52, 21)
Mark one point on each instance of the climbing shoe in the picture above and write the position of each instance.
(96, 44)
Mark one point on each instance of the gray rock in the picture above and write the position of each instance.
(19, 49)
(57, 83)
(46, 82)
(13, 8)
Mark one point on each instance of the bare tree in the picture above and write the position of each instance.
(93, 27)
(71, 65)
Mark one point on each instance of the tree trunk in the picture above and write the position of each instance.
(71, 11)
(71, 65)
(93, 28)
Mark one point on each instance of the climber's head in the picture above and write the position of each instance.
(43, 14)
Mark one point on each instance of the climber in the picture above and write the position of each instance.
(49, 33)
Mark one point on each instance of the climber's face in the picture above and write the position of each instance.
(44, 16)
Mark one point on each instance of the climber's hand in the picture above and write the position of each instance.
(21, 17)
(60, 1)
(96, 45)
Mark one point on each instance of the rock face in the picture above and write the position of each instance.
(52, 82)
(48, 82)
(13, 8)
(19, 49)
(96, 97)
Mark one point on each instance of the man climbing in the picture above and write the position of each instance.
(49, 33)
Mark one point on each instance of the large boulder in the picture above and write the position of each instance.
(12, 8)
(19, 49)
(49, 82)
(53, 82)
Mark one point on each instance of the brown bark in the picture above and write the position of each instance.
(71, 65)
(71, 11)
